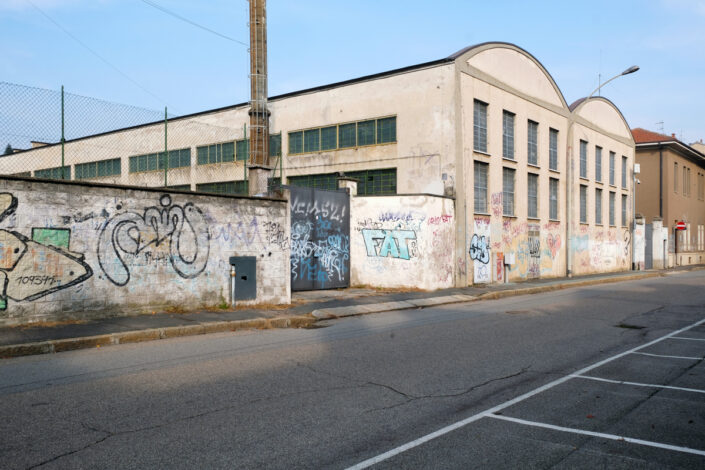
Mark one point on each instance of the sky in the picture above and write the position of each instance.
(128, 51)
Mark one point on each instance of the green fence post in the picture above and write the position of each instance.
(62, 133)
(166, 152)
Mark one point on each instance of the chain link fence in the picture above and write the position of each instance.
(53, 134)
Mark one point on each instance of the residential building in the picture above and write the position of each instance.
(673, 189)
(487, 126)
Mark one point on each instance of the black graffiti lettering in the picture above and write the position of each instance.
(181, 229)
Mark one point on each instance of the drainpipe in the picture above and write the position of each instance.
(660, 182)
(569, 198)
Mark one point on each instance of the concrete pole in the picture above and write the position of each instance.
(260, 170)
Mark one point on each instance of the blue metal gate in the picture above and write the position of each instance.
(320, 239)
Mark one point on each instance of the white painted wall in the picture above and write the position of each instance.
(402, 241)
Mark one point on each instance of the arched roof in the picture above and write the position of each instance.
(515, 67)
(602, 113)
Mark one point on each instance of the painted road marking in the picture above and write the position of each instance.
(689, 339)
(459, 424)
(636, 384)
(671, 357)
(614, 437)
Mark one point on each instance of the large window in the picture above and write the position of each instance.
(480, 187)
(612, 157)
(242, 147)
(508, 135)
(624, 210)
(624, 171)
(598, 163)
(553, 199)
(533, 196)
(553, 149)
(583, 204)
(340, 136)
(224, 187)
(156, 161)
(583, 159)
(479, 130)
(598, 206)
(532, 150)
(97, 169)
(216, 153)
(508, 191)
(612, 197)
(54, 173)
(370, 182)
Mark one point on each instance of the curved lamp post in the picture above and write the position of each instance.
(631, 69)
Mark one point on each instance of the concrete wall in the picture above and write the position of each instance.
(402, 241)
(74, 251)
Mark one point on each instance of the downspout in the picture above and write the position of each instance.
(660, 182)
(569, 198)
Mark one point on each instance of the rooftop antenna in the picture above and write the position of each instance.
(660, 128)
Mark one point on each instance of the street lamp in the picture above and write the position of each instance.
(631, 69)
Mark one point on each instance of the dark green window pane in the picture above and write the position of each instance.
(180, 187)
(366, 133)
(242, 149)
(346, 135)
(202, 155)
(227, 187)
(329, 137)
(275, 145)
(320, 181)
(228, 152)
(386, 130)
(240, 187)
(312, 140)
(133, 164)
(152, 161)
(375, 182)
(273, 183)
(296, 142)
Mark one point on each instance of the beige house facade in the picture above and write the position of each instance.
(540, 188)
(672, 189)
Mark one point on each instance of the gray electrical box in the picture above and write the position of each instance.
(246, 277)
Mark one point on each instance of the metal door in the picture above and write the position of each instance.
(320, 239)
(649, 255)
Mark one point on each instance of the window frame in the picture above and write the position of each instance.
(480, 129)
(508, 206)
(508, 128)
(532, 143)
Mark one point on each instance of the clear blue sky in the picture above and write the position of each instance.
(315, 42)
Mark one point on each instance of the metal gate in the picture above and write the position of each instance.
(320, 239)
(649, 255)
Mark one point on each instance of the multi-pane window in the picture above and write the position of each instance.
(180, 187)
(553, 199)
(216, 153)
(583, 204)
(612, 196)
(340, 136)
(553, 149)
(97, 169)
(479, 129)
(225, 187)
(370, 182)
(157, 161)
(583, 159)
(532, 150)
(686, 181)
(624, 171)
(533, 196)
(480, 187)
(366, 133)
(598, 163)
(598, 206)
(612, 156)
(54, 173)
(701, 186)
(508, 191)
(508, 135)
(624, 210)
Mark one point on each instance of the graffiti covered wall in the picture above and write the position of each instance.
(596, 249)
(402, 241)
(72, 251)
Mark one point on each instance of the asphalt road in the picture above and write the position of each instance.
(568, 379)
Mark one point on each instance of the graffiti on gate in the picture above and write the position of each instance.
(330, 210)
(33, 268)
(169, 234)
(331, 254)
(480, 249)
(383, 243)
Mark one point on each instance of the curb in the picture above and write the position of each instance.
(138, 336)
(300, 321)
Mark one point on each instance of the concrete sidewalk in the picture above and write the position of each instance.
(306, 309)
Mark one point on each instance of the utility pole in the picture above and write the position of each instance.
(260, 171)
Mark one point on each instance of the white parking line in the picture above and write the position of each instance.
(671, 357)
(459, 424)
(690, 339)
(621, 382)
(614, 437)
